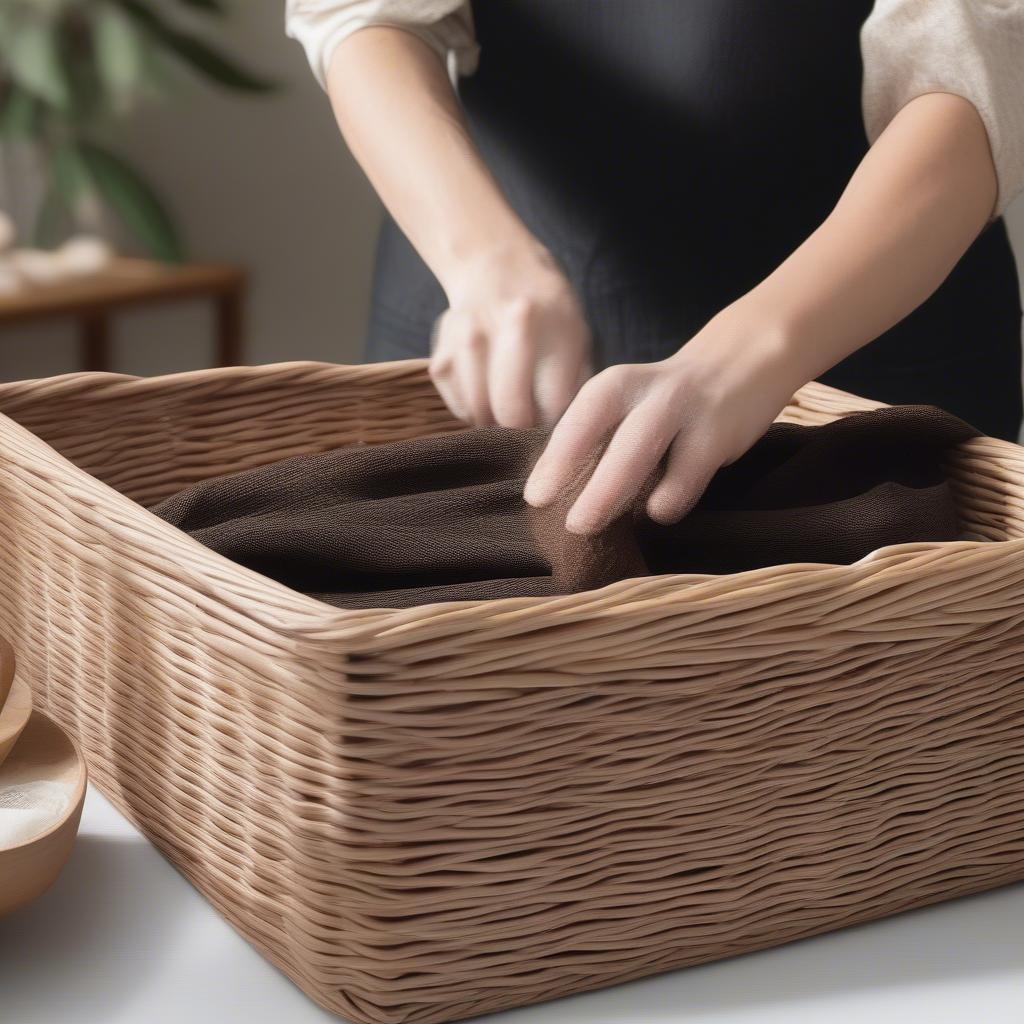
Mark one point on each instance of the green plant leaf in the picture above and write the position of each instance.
(196, 53)
(20, 116)
(51, 218)
(122, 188)
(69, 176)
(119, 54)
(33, 56)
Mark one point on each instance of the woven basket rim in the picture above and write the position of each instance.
(114, 385)
(254, 597)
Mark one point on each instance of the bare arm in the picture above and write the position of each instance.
(919, 198)
(916, 202)
(513, 344)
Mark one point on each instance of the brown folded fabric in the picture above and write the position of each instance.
(442, 518)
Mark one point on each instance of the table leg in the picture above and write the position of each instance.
(229, 315)
(94, 336)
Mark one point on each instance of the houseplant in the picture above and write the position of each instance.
(69, 69)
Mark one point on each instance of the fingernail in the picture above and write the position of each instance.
(579, 523)
(536, 493)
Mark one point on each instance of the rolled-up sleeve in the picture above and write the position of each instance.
(446, 26)
(971, 48)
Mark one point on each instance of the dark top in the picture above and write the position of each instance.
(670, 154)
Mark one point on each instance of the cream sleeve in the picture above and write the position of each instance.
(971, 48)
(444, 25)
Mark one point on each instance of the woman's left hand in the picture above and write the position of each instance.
(699, 409)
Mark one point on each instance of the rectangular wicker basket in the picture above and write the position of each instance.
(423, 815)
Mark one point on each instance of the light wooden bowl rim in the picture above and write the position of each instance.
(8, 666)
(15, 714)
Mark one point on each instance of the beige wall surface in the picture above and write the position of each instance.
(268, 183)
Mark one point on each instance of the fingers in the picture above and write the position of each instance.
(511, 369)
(587, 423)
(688, 471)
(511, 347)
(458, 368)
(442, 366)
(631, 457)
(490, 373)
(645, 415)
(560, 373)
(471, 377)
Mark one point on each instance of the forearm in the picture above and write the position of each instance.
(917, 201)
(397, 109)
(513, 345)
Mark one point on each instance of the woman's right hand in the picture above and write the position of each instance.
(513, 348)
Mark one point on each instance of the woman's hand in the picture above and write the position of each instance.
(513, 348)
(699, 409)
(916, 202)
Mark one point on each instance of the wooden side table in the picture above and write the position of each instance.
(92, 301)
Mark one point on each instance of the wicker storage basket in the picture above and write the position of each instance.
(427, 814)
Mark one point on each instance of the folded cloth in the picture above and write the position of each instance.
(831, 493)
(442, 518)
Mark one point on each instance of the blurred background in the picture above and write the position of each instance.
(252, 176)
(185, 129)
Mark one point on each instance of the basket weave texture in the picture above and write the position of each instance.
(427, 814)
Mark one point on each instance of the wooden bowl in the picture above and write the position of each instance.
(14, 716)
(43, 752)
(6, 670)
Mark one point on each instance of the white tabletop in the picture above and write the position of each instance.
(123, 939)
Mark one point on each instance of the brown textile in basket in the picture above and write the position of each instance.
(441, 518)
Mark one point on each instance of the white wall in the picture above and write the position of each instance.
(266, 182)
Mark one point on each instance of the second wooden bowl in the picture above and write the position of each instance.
(43, 753)
(6, 669)
(14, 716)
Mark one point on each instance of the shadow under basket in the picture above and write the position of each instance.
(427, 814)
